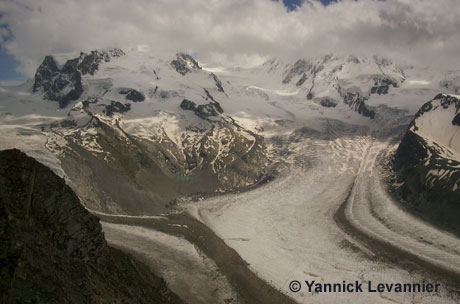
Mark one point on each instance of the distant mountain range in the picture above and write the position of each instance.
(134, 131)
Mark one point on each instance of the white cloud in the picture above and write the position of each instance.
(236, 31)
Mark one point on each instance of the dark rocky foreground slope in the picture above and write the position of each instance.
(428, 175)
(53, 250)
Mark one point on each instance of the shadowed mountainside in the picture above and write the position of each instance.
(54, 251)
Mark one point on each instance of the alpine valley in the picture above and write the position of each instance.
(329, 168)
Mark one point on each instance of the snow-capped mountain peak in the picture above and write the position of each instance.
(132, 118)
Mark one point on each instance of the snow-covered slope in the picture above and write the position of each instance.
(132, 127)
(144, 131)
(438, 122)
(427, 161)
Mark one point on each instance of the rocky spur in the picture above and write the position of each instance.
(369, 286)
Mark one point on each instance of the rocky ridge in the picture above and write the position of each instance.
(65, 84)
(53, 250)
(117, 169)
(184, 63)
(426, 162)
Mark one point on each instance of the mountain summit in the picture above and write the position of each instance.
(427, 161)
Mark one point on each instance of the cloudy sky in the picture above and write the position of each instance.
(241, 32)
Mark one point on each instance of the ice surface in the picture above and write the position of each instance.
(188, 272)
(286, 230)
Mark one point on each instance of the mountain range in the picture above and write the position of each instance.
(135, 132)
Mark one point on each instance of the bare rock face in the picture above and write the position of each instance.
(30, 191)
(62, 85)
(132, 95)
(116, 107)
(427, 172)
(302, 80)
(53, 250)
(44, 73)
(300, 67)
(65, 85)
(354, 98)
(382, 84)
(328, 102)
(184, 64)
(234, 155)
(203, 111)
(217, 82)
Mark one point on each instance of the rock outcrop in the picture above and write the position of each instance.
(132, 95)
(203, 111)
(116, 107)
(65, 85)
(427, 164)
(53, 250)
(184, 63)
(328, 102)
(382, 84)
(300, 67)
(218, 83)
(117, 172)
(354, 98)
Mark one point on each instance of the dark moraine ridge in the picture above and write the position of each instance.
(250, 288)
(391, 254)
(53, 251)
